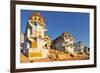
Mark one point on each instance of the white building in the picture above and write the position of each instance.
(79, 47)
(35, 37)
(64, 43)
(86, 50)
(22, 41)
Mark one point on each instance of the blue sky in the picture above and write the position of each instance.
(58, 22)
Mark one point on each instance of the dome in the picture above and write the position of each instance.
(37, 17)
(67, 35)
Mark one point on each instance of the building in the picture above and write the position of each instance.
(64, 43)
(79, 47)
(22, 41)
(86, 50)
(47, 42)
(36, 42)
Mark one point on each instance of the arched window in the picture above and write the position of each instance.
(39, 19)
(35, 18)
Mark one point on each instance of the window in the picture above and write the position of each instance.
(39, 19)
(35, 18)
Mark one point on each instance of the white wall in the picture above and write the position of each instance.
(5, 36)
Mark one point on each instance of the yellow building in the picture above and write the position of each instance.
(35, 37)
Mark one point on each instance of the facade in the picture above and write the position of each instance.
(86, 50)
(35, 37)
(47, 42)
(22, 41)
(79, 47)
(64, 43)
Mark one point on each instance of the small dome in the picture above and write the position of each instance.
(37, 17)
(67, 35)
